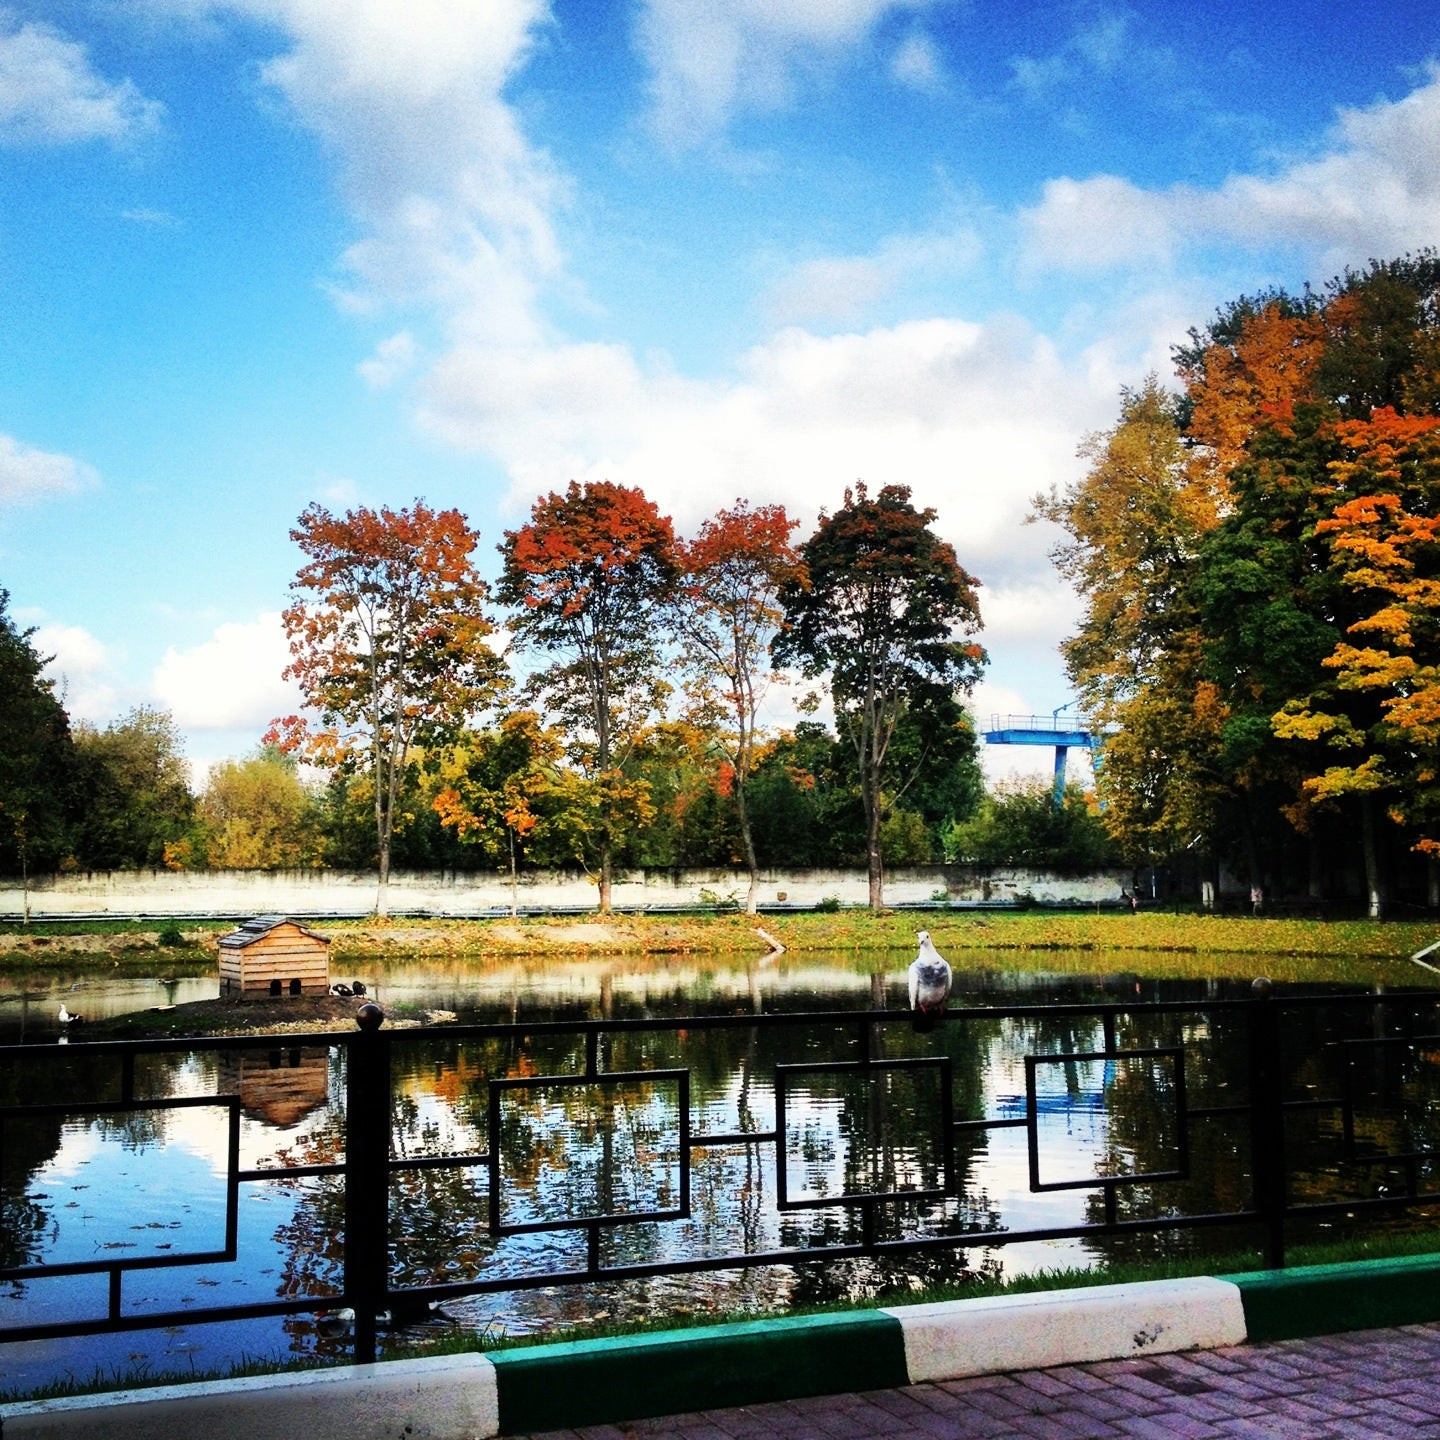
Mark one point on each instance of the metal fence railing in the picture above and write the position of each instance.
(567, 1153)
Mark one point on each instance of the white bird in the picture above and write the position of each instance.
(66, 1017)
(929, 984)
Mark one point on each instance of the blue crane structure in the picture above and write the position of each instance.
(1061, 732)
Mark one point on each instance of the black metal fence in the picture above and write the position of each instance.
(1258, 1115)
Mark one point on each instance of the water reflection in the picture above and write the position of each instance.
(572, 1148)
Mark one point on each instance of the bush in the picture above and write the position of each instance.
(171, 936)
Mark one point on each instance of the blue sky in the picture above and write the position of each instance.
(255, 253)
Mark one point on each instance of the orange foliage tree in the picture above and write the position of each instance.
(388, 639)
(728, 612)
(589, 578)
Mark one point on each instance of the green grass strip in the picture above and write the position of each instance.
(1326, 1299)
(593, 1382)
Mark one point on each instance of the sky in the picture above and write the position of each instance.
(256, 254)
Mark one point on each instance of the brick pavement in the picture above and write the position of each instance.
(1359, 1386)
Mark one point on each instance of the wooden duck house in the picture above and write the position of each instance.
(273, 956)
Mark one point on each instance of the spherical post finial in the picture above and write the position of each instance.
(370, 1017)
(1262, 987)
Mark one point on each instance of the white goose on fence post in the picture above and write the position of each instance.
(929, 984)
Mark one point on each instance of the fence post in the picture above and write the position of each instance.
(367, 1177)
(1267, 1120)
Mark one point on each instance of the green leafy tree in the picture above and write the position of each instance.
(36, 757)
(589, 578)
(133, 792)
(885, 608)
(1019, 823)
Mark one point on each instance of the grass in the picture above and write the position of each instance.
(1373, 1246)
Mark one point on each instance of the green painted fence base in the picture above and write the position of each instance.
(590, 1382)
(1326, 1299)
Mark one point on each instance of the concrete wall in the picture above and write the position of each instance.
(345, 893)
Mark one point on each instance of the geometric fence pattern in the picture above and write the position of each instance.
(870, 1150)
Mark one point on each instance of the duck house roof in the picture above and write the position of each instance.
(260, 927)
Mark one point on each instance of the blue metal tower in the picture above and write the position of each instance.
(1062, 733)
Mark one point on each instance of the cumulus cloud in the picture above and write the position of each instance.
(976, 418)
(1375, 191)
(82, 669)
(453, 201)
(710, 59)
(231, 681)
(50, 95)
(28, 474)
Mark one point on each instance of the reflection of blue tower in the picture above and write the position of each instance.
(1073, 732)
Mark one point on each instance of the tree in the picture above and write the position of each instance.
(36, 757)
(883, 606)
(500, 791)
(389, 646)
(132, 791)
(257, 814)
(590, 577)
(728, 613)
(1019, 823)
(1377, 713)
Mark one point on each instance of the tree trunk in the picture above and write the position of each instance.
(605, 875)
(382, 888)
(1432, 882)
(1374, 886)
(751, 866)
(874, 865)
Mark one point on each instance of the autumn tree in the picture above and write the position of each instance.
(589, 579)
(884, 607)
(258, 814)
(728, 611)
(501, 792)
(388, 638)
(1374, 703)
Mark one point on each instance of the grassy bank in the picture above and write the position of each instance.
(997, 937)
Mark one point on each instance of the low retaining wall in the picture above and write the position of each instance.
(352, 893)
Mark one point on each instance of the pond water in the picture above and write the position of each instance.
(151, 1181)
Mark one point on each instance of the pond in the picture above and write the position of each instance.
(151, 1181)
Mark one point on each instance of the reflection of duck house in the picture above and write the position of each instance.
(273, 956)
(279, 1086)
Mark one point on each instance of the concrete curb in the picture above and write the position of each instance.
(1326, 1299)
(591, 1382)
(439, 1397)
(957, 1338)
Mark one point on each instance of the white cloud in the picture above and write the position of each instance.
(392, 358)
(82, 669)
(231, 681)
(710, 59)
(453, 201)
(30, 474)
(1375, 192)
(976, 418)
(844, 287)
(917, 63)
(50, 95)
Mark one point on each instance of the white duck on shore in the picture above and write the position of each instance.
(929, 984)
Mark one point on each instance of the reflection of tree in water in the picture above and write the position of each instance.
(73, 1076)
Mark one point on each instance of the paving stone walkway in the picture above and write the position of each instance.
(1368, 1383)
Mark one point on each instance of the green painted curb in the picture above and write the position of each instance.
(1325, 1299)
(668, 1372)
